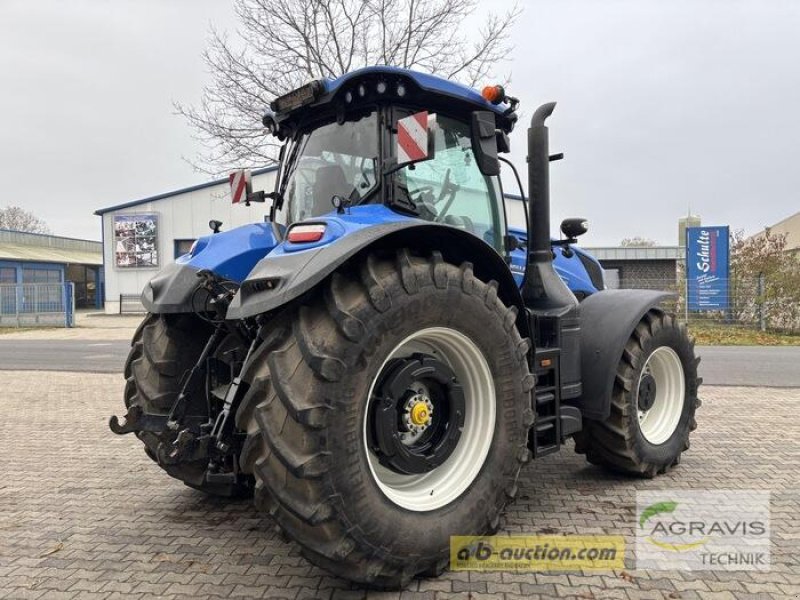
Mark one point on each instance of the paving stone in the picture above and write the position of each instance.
(126, 530)
(469, 586)
(529, 589)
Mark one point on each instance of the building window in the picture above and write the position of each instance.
(41, 275)
(8, 275)
(42, 290)
(183, 247)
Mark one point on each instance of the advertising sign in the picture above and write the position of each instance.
(136, 240)
(707, 268)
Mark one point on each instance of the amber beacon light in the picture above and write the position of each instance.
(494, 93)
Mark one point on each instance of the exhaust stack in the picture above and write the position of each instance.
(543, 290)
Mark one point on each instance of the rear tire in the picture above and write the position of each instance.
(163, 350)
(307, 415)
(653, 402)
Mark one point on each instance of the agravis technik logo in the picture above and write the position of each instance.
(682, 529)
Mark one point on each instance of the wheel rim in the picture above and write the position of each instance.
(446, 482)
(661, 394)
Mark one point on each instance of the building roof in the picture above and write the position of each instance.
(790, 227)
(49, 255)
(37, 247)
(186, 190)
(637, 253)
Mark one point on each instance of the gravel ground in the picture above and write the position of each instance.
(84, 514)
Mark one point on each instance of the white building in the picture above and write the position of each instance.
(143, 236)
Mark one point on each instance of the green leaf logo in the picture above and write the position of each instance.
(656, 509)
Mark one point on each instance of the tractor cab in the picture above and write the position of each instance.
(420, 145)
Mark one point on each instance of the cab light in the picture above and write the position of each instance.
(494, 93)
(304, 234)
(302, 96)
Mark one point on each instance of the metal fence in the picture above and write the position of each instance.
(131, 304)
(37, 304)
(757, 303)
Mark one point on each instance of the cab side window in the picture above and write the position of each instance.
(450, 188)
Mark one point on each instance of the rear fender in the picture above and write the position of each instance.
(607, 320)
(284, 276)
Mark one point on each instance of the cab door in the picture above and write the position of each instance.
(450, 188)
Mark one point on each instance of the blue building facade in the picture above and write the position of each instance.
(30, 258)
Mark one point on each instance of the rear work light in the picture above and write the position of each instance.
(304, 234)
(297, 98)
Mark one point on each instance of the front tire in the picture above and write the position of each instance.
(653, 402)
(321, 469)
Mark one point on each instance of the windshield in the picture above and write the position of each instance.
(337, 159)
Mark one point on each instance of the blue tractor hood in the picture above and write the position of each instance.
(230, 255)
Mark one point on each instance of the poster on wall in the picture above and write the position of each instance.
(136, 240)
(707, 264)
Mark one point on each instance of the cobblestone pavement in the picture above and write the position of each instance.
(84, 514)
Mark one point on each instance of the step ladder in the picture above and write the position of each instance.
(545, 436)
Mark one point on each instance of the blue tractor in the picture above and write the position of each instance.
(377, 361)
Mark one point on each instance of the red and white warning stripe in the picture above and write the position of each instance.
(412, 137)
(240, 185)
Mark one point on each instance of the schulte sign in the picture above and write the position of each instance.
(707, 267)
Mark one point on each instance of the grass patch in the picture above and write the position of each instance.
(732, 335)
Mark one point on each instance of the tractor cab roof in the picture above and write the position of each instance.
(383, 85)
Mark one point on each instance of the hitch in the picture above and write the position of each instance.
(187, 447)
(138, 420)
(200, 427)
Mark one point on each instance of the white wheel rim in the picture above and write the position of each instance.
(659, 422)
(441, 486)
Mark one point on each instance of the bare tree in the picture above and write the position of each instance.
(19, 219)
(637, 242)
(282, 44)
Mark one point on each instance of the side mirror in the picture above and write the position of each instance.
(574, 228)
(415, 138)
(484, 142)
(214, 225)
